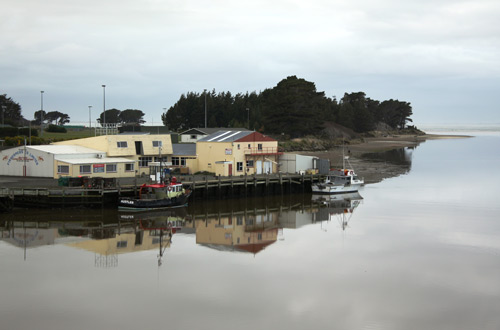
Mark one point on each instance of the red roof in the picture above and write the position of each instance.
(256, 137)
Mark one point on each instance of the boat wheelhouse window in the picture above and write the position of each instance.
(122, 144)
(85, 169)
(63, 169)
(129, 167)
(110, 168)
(144, 161)
(239, 166)
(157, 144)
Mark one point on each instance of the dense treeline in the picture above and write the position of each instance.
(293, 107)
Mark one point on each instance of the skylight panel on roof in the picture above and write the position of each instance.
(219, 136)
(227, 137)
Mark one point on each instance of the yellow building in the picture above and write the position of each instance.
(229, 153)
(141, 149)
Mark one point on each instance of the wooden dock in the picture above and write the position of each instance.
(249, 185)
(203, 187)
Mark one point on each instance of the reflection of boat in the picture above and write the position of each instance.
(339, 181)
(341, 206)
(156, 196)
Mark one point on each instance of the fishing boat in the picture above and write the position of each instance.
(339, 181)
(156, 197)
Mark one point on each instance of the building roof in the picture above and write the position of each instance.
(65, 149)
(184, 149)
(88, 160)
(254, 137)
(225, 136)
(211, 130)
(238, 136)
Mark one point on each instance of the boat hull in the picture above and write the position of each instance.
(136, 204)
(328, 188)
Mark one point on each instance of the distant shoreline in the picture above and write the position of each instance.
(375, 171)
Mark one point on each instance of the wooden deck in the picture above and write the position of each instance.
(206, 187)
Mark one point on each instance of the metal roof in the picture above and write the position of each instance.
(95, 160)
(211, 130)
(225, 136)
(61, 149)
(184, 149)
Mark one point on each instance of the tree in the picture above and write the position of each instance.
(112, 117)
(131, 116)
(11, 114)
(293, 107)
(63, 119)
(38, 116)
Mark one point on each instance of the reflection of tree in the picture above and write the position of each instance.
(401, 156)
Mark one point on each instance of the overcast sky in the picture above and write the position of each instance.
(442, 56)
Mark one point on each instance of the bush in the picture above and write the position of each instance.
(55, 129)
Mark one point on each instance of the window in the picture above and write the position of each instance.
(239, 220)
(259, 236)
(144, 161)
(238, 147)
(163, 159)
(110, 168)
(193, 137)
(249, 163)
(179, 161)
(121, 244)
(63, 169)
(129, 167)
(85, 169)
(259, 146)
(249, 146)
(121, 144)
(157, 144)
(239, 166)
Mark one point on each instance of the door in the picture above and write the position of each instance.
(258, 168)
(230, 169)
(268, 167)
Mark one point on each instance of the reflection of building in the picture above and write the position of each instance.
(239, 232)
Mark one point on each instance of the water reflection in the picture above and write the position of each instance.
(400, 156)
(243, 225)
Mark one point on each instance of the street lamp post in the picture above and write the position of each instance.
(41, 113)
(104, 108)
(205, 92)
(90, 122)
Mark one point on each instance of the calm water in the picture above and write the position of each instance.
(419, 251)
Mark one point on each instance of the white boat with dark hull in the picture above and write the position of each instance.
(339, 181)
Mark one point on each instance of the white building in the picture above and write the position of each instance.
(54, 161)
